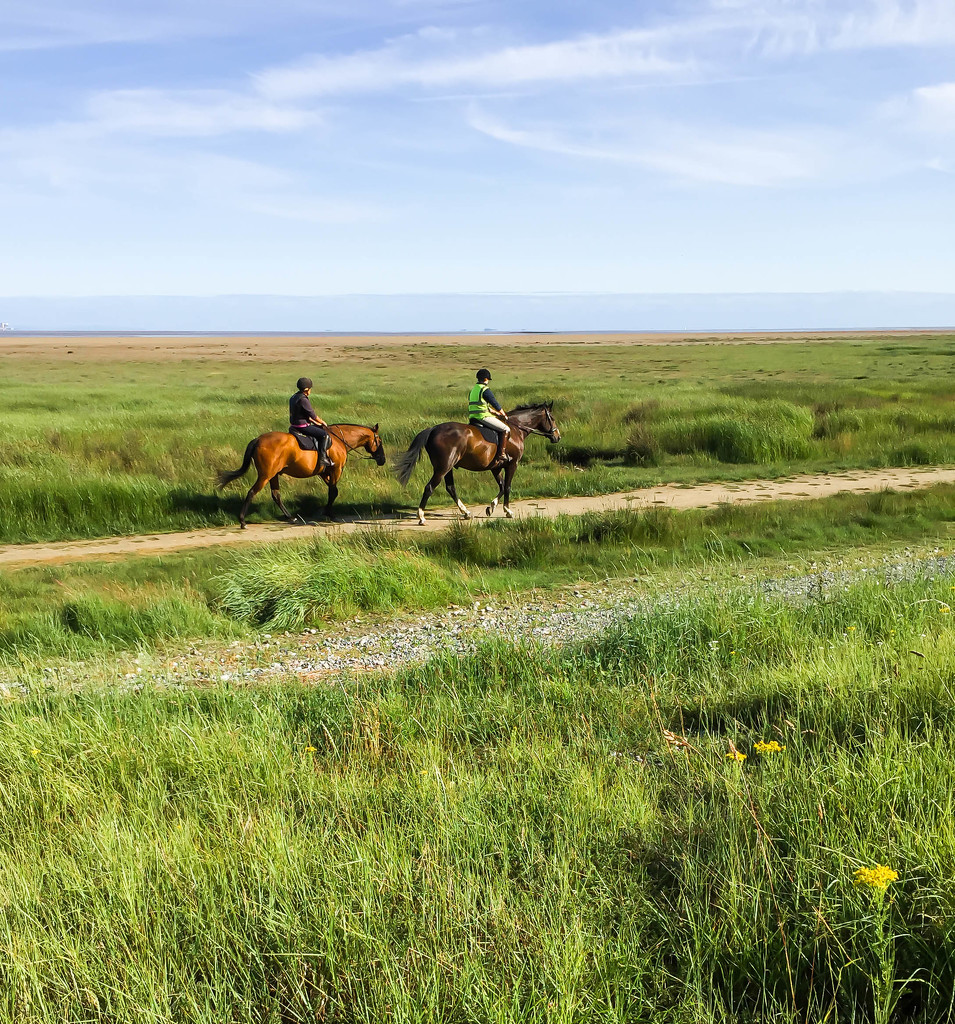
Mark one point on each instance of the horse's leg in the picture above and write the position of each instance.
(260, 482)
(332, 495)
(277, 498)
(498, 476)
(429, 489)
(331, 478)
(449, 486)
(509, 470)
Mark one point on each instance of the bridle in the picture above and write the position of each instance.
(549, 434)
(349, 448)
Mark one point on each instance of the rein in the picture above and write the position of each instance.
(349, 448)
(534, 430)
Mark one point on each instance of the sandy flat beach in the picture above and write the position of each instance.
(238, 347)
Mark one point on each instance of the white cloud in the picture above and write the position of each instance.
(730, 157)
(189, 113)
(437, 59)
(932, 108)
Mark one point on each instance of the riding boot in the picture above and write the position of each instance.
(500, 457)
(324, 460)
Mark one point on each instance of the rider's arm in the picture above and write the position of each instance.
(313, 416)
(491, 400)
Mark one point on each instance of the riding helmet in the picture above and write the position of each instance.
(483, 374)
(303, 382)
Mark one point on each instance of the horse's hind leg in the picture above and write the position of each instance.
(253, 491)
(428, 491)
(509, 470)
(489, 511)
(449, 485)
(277, 498)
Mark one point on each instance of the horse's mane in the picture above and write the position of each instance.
(530, 408)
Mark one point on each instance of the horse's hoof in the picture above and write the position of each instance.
(241, 526)
(508, 513)
(489, 511)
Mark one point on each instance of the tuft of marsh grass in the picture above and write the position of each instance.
(286, 587)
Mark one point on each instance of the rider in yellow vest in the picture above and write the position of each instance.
(482, 407)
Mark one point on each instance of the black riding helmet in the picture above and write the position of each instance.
(303, 382)
(483, 374)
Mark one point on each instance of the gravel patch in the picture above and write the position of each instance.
(366, 644)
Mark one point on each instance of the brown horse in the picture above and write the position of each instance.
(453, 446)
(276, 453)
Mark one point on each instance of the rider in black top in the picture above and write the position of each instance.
(304, 420)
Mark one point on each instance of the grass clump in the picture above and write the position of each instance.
(285, 587)
(752, 432)
(76, 625)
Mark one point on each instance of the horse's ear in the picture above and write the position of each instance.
(550, 405)
(375, 428)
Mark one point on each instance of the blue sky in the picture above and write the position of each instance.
(442, 146)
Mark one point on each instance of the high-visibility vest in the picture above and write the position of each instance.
(477, 407)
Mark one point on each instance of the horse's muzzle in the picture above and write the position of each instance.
(554, 436)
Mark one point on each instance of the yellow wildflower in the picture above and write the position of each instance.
(735, 755)
(310, 750)
(851, 628)
(945, 609)
(772, 747)
(879, 877)
(35, 752)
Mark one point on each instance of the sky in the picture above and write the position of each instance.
(390, 147)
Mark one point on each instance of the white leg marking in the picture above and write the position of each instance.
(463, 508)
(508, 512)
(421, 517)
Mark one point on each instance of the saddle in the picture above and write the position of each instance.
(305, 442)
(487, 433)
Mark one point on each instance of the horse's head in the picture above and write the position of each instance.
(538, 419)
(374, 446)
(550, 428)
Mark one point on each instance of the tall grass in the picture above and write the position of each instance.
(138, 449)
(287, 588)
(88, 608)
(518, 836)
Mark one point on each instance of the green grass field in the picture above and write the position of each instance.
(94, 609)
(731, 810)
(665, 825)
(134, 446)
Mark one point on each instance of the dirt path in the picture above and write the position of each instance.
(666, 496)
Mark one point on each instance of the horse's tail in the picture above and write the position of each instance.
(404, 464)
(227, 477)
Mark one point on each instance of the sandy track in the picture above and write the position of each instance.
(668, 496)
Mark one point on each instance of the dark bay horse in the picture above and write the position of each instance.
(452, 446)
(278, 453)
